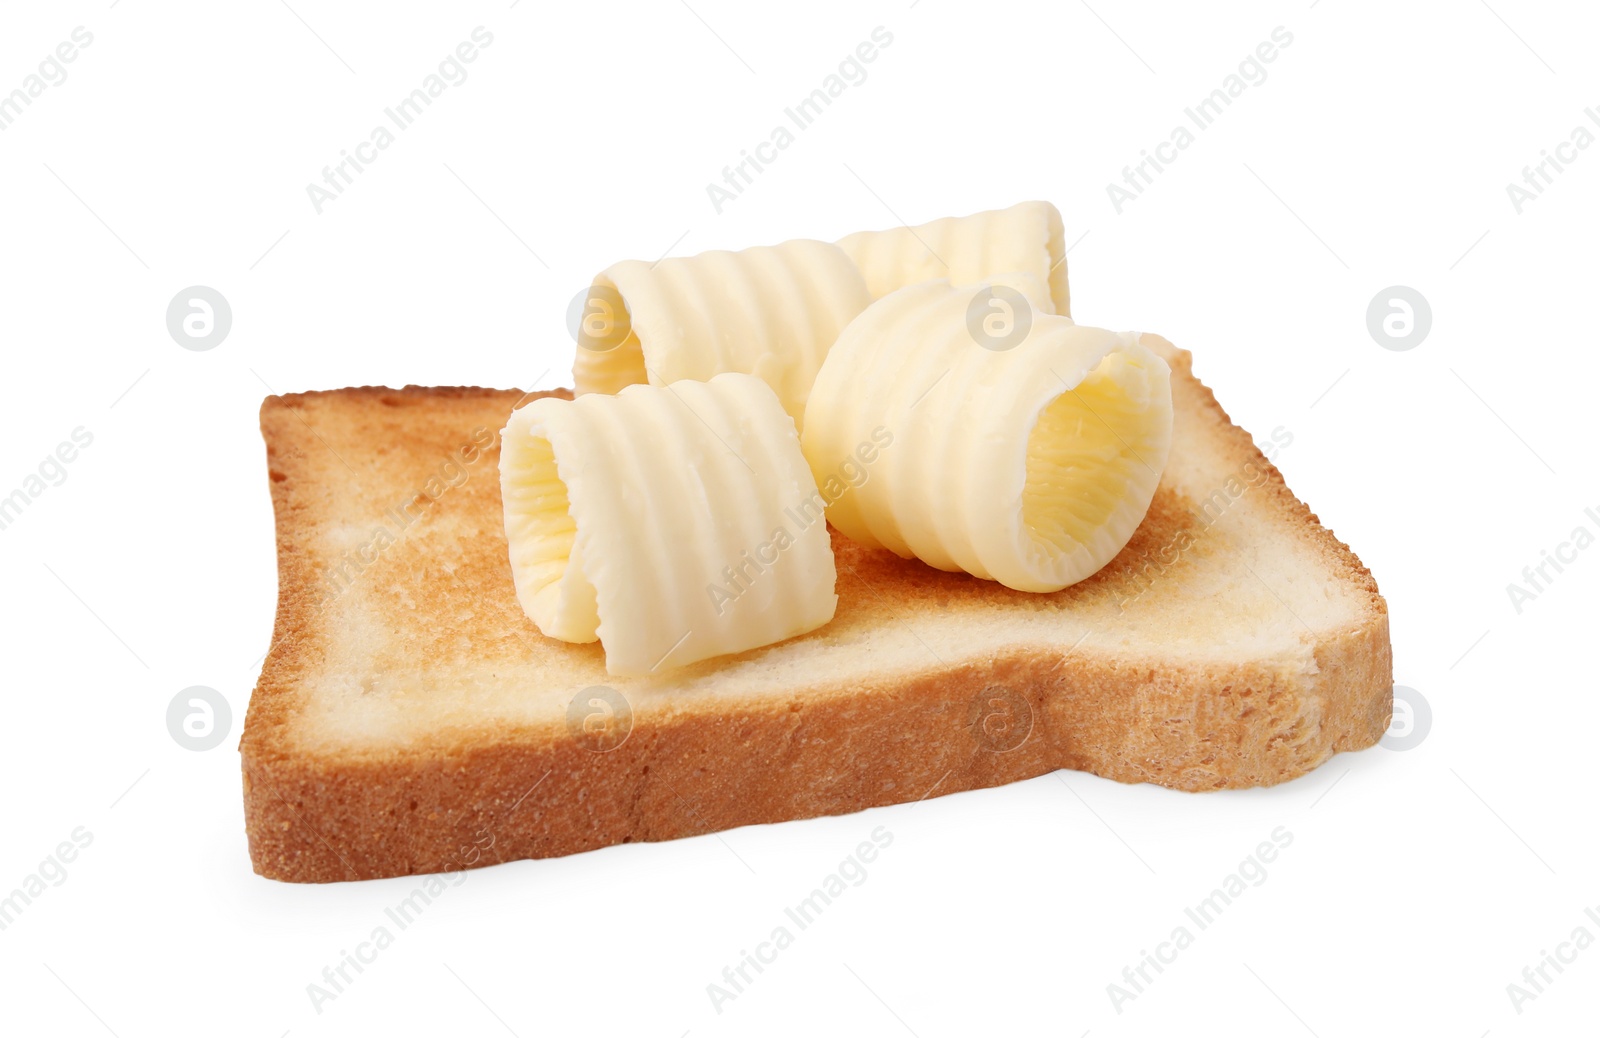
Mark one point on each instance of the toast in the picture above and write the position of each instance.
(409, 718)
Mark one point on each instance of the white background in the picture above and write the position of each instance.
(1419, 884)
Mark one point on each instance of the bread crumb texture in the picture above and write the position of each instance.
(407, 706)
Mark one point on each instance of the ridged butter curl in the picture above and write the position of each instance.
(1026, 238)
(1026, 448)
(771, 311)
(672, 523)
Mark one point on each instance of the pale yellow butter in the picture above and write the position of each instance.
(771, 311)
(1027, 447)
(1025, 238)
(672, 523)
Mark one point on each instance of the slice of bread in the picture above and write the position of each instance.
(410, 719)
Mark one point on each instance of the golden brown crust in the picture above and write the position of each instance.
(458, 799)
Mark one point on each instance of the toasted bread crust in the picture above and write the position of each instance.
(462, 800)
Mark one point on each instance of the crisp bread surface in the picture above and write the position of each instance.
(1234, 642)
